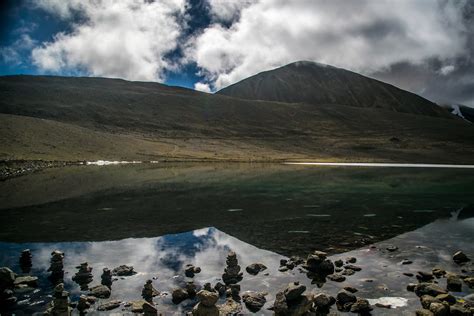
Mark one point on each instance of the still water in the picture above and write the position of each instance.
(160, 217)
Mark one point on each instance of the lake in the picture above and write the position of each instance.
(160, 217)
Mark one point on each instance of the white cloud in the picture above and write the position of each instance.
(124, 39)
(12, 54)
(204, 87)
(362, 35)
(227, 10)
(446, 70)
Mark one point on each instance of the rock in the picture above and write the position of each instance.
(200, 310)
(123, 270)
(339, 263)
(179, 295)
(428, 289)
(148, 291)
(232, 274)
(106, 278)
(56, 267)
(137, 306)
(7, 278)
(348, 272)
(336, 277)
(319, 264)
(149, 309)
(448, 298)
(423, 312)
(343, 297)
(438, 272)
(299, 306)
(100, 291)
(392, 248)
(230, 307)
(7, 298)
(84, 276)
(233, 291)
(190, 270)
(439, 309)
(470, 282)
(408, 274)
(283, 269)
(350, 289)
(60, 303)
(352, 267)
(109, 305)
(28, 280)
(351, 260)
(424, 276)
(411, 287)
(426, 301)
(323, 301)
(294, 291)
(83, 304)
(220, 288)
(459, 257)
(459, 310)
(406, 261)
(26, 261)
(254, 301)
(207, 298)
(361, 306)
(453, 283)
(255, 268)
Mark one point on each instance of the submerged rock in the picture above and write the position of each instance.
(460, 258)
(255, 268)
(254, 301)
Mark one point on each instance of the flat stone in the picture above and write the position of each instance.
(336, 277)
(31, 281)
(109, 305)
(100, 291)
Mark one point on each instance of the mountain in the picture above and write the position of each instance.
(70, 118)
(319, 84)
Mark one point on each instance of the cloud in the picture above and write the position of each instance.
(204, 87)
(12, 54)
(364, 36)
(227, 10)
(124, 39)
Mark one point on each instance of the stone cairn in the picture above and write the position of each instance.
(7, 281)
(232, 274)
(84, 276)
(83, 305)
(25, 261)
(149, 291)
(106, 278)
(60, 304)
(207, 304)
(291, 301)
(57, 267)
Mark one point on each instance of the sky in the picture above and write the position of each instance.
(424, 46)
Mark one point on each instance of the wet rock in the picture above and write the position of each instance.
(339, 263)
(345, 298)
(350, 289)
(255, 268)
(60, 304)
(230, 307)
(106, 278)
(469, 282)
(448, 298)
(109, 305)
(297, 306)
(283, 269)
(100, 291)
(426, 301)
(460, 258)
(424, 276)
(190, 270)
(83, 305)
(148, 291)
(352, 267)
(7, 298)
(459, 310)
(336, 277)
(28, 280)
(26, 261)
(233, 290)
(411, 287)
(178, 295)
(84, 276)
(392, 248)
(406, 261)
(439, 309)
(323, 302)
(136, 306)
(453, 283)
(254, 301)
(191, 288)
(123, 270)
(294, 291)
(207, 298)
(408, 274)
(361, 306)
(348, 272)
(7, 278)
(318, 263)
(351, 260)
(428, 289)
(220, 288)
(438, 272)
(149, 309)
(232, 274)
(56, 267)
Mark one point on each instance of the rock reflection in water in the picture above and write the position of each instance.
(164, 259)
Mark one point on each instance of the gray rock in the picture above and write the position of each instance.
(428, 289)
(255, 268)
(294, 291)
(109, 305)
(179, 295)
(123, 270)
(460, 257)
(361, 306)
(28, 280)
(424, 276)
(439, 309)
(230, 307)
(336, 277)
(454, 283)
(350, 289)
(200, 310)
(343, 297)
(100, 291)
(207, 298)
(254, 301)
(323, 301)
(352, 267)
(7, 278)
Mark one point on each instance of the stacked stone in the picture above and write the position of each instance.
(149, 292)
(291, 301)
(83, 305)
(7, 279)
(106, 278)
(207, 304)
(232, 274)
(84, 276)
(57, 267)
(190, 270)
(25, 261)
(60, 304)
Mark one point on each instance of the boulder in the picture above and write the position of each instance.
(200, 310)
(100, 291)
(149, 309)
(7, 278)
(294, 291)
(179, 295)
(255, 268)
(460, 258)
(28, 280)
(427, 300)
(207, 298)
(453, 283)
(323, 301)
(254, 301)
